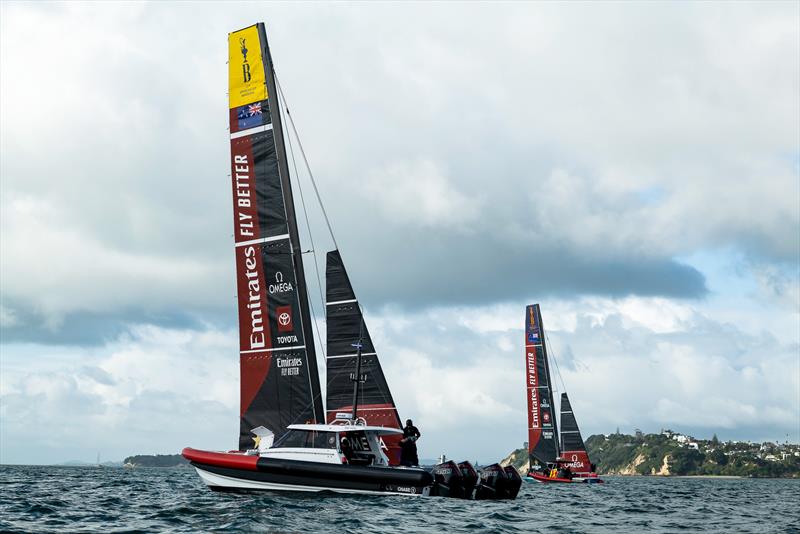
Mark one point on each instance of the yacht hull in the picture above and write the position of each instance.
(535, 477)
(238, 472)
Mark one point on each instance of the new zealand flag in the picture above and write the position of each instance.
(250, 116)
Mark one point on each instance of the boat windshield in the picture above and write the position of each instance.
(308, 439)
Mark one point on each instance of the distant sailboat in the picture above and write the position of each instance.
(550, 459)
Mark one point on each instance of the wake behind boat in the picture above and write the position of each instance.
(551, 461)
(287, 441)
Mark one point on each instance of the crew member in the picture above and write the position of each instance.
(408, 445)
(346, 448)
(567, 472)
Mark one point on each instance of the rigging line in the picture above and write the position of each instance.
(344, 368)
(555, 360)
(305, 159)
(311, 239)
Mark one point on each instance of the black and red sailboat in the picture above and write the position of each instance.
(286, 439)
(551, 461)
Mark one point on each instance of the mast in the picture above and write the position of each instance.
(542, 437)
(551, 405)
(294, 235)
(279, 377)
(357, 379)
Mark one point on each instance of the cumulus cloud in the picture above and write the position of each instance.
(458, 372)
(151, 390)
(614, 161)
(420, 192)
(585, 154)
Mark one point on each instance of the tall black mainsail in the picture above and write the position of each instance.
(542, 429)
(345, 326)
(279, 376)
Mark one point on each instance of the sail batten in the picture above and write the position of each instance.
(279, 377)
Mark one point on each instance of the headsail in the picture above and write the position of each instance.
(345, 326)
(279, 377)
(542, 430)
(572, 447)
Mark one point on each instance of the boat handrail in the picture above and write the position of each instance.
(360, 421)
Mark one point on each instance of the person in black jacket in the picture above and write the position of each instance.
(408, 445)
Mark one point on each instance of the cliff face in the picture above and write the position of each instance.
(659, 455)
(519, 459)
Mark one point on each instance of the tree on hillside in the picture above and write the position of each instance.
(685, 461)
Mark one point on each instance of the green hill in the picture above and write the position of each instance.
(671, 453)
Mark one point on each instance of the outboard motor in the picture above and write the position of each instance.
(470, 479)
(513, 482)
(448, 481)
(492, 482)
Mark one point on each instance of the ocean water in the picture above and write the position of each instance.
(83, 499)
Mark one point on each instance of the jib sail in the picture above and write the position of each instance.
(572, 447)
(542, 431)
(345, 326)
(279, 377)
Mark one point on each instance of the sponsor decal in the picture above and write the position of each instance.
(246, 76)
(252, 300)
(290, 366)
(546, 417)
(533, 327)
(246, 81)
(283, 314)
(280, 286)
(245, 214)
(533, 400)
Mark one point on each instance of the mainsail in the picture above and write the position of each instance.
(279, 377)
(542, 430)
(572, 447)
(346, 327)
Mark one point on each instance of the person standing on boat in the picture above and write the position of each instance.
(408, 445)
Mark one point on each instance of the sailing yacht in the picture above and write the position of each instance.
(287, 441)
(549, 458)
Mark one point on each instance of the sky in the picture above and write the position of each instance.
(634, 168)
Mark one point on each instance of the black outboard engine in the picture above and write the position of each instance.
(448, 481)
(470, 478)
(513, 482)
(492, 483)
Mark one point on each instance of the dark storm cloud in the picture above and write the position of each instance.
(91, 329)
(468, 270)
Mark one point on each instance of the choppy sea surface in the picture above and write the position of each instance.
(83, 499)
